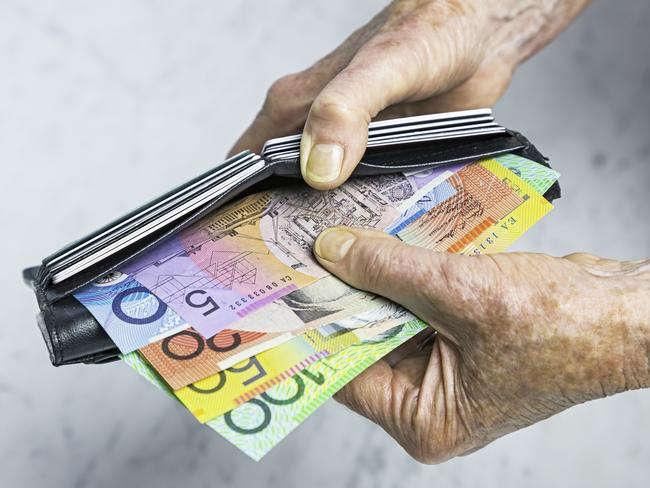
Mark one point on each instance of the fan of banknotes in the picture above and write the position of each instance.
(234, 318)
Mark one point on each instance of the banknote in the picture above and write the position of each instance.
(217, 394)
(255, 251)
(312, 303)
(480, 200)
(502, 234)
(254, 333)
(307, 299)
(131, 315)
(258, 425)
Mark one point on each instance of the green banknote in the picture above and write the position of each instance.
(258, 425)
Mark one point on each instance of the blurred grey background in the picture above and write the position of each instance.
(105, 104)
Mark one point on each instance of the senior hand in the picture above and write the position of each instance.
(414, 57)
(520, 338)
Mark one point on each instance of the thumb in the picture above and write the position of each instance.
(390, 68)
(377, 262)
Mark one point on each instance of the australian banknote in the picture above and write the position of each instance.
(131, 315)
(499, 237)
(538, 176)
(135, 318)
(307, 302)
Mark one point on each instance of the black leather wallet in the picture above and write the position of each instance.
(72, 334)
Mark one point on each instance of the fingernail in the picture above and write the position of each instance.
(333, 244)
(324, 163)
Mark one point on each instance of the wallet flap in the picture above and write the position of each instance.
(52, 292)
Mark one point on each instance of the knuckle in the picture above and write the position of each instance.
(285, 99)
(333, 107)
(282, 88)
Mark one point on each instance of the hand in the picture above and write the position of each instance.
(414, 57)
(520, 337)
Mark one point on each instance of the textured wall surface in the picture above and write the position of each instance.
(105, 104)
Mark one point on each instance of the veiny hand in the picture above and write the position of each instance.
(520, 338)
(416, 56)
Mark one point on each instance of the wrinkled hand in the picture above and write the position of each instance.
(414, 57)
(520, 338)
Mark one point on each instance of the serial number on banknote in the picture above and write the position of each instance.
(243, 301)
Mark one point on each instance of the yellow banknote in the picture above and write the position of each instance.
(500, 236)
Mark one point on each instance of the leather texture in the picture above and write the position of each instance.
(71, 333)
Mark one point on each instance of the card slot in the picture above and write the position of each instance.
(407, 122)
(293, 149)
(440, 137)
(416, 119)
(409, 140)
(414, 157)
(149, 212)
(434, 132)
(431, 125)
(294, 144)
